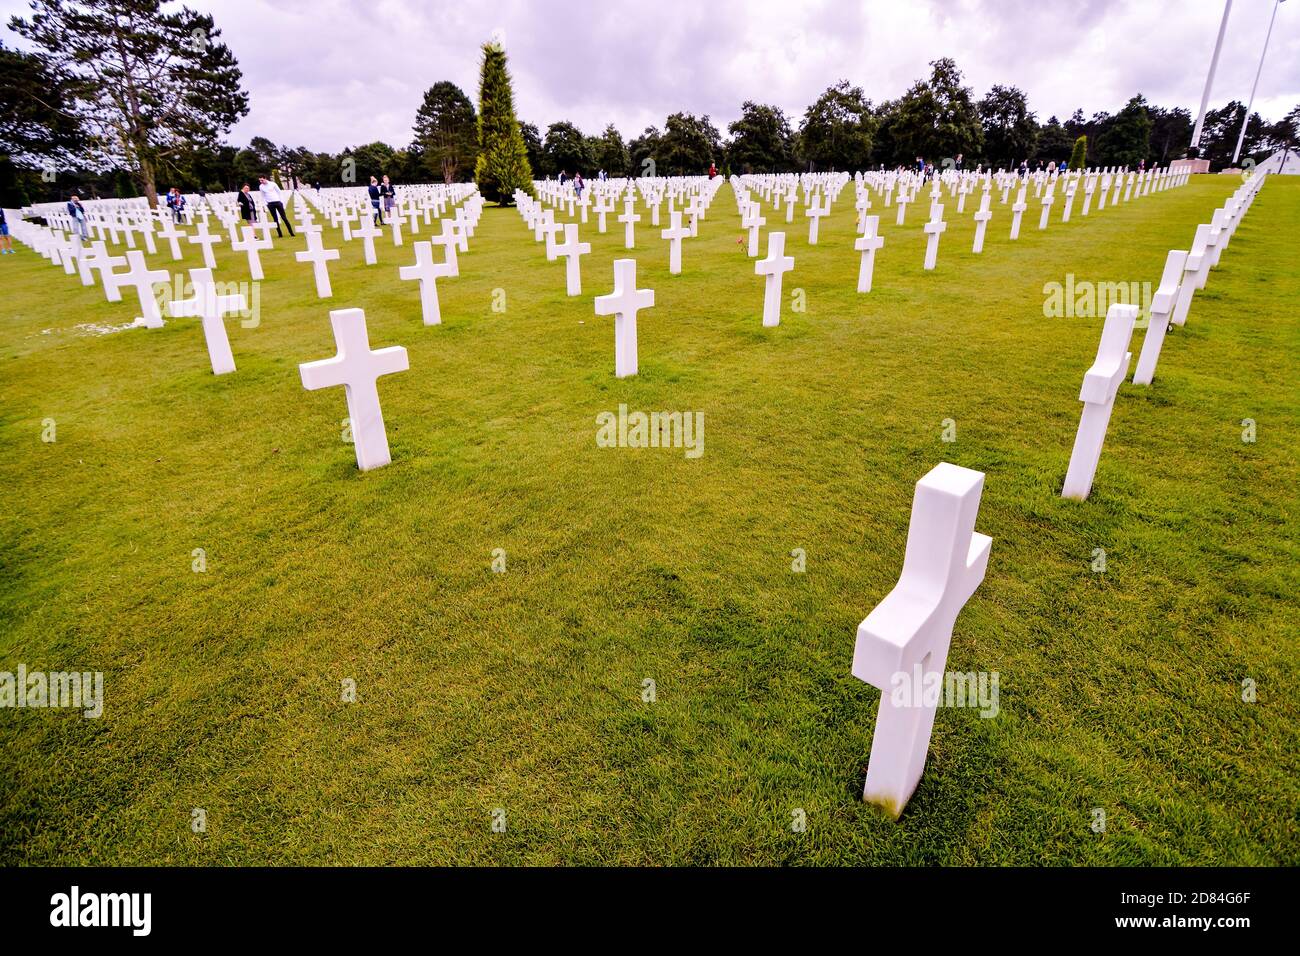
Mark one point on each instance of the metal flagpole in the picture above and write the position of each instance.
(1209, 81)
(1246, 119)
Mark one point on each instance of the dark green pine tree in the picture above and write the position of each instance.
(1079, 158)
(502, 165)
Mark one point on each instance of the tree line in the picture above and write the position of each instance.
(124, 97)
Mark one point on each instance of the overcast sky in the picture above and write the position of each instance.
(332, 73)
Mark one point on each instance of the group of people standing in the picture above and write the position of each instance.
(382, 198)
(579, 184)
(270, 192)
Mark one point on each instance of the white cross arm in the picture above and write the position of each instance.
(945, 561)
(1102, 381)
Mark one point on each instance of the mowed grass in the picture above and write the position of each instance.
(522, 691)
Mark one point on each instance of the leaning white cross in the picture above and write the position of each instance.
(675, 233)
(143, 279)
(1100, 385)
(318, 255)
(1187, 287)
(773, 267)
(624, 303)
(933, 230)
(252, 245)
(1213, 247)
(210, 309)
(867, 244)
(428, 272)
(357, 369)
(907, 636)
(571, 249)
(1162, 306)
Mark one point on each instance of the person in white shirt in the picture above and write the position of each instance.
(274, 204)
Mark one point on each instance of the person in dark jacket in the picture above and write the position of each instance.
(376, 194)
(247, 208)
(6, 244)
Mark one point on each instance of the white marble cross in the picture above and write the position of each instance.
(146, 232)
(207, 240)
(905, 639)
(1100, 385)
(629, 218)
(450, 240)
(1069, 202)
(85, 254)
(357, 368)
(1187, 287)
(624, 303)
(169, 232)
(933, 230)
(1213, 247)
(143, 279)
(1017, 210)
(428, 273)
(815, 213)
(602, 208)
(773, 267)
(318, 256)
(99, 259)
(571, 249)
(1048, 198)
(549, 229)
(981, 223)
(1162, 307)
(252, 246)
(210, 309)
(753, 221)
(693, 211)
(867, 244)
(367, 231)
(395, 222)
(901, 203)
(675, 233)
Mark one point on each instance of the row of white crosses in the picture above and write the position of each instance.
(1184, 273)
(208, 304)
(820, 192)
(697, 192)
(910, 632)
(358, 368)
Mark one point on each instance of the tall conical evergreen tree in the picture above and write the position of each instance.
(1079, 158)
(502, 165)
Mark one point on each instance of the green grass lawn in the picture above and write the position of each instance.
(523, 691)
